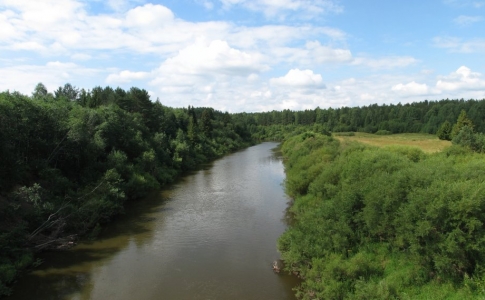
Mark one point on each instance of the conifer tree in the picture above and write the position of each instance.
(444, 133)
(460, 123)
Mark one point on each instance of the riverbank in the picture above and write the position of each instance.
(383, 223)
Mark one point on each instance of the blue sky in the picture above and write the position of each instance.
(248, 55)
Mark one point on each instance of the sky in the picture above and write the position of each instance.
(249, 55)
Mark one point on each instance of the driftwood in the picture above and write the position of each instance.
(49, 243)
(278, 265)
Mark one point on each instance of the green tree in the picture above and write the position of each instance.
(462, 121)
(68, 92)
(444, 133)
(205, 122)
(40, 92)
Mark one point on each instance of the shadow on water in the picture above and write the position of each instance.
(63, 274)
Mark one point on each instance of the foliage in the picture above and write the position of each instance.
(384, 223)
(444, 133)
(460, 123)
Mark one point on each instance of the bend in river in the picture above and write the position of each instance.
(212, 235)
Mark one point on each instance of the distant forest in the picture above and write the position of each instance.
(70, 159)
(424, 117)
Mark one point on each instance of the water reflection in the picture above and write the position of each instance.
(212, 235)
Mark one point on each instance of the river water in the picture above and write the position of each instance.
(211, 235)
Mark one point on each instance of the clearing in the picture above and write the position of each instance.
(427, 142)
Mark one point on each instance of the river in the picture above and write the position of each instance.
(211, 235)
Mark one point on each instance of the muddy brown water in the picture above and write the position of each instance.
(211, 235)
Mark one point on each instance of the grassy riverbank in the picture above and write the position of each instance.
(391, 222)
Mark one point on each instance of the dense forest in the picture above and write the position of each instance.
(370, 223)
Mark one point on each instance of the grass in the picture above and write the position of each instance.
(427, 142)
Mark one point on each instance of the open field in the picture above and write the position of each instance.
(427, 142)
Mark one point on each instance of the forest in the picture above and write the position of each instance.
(369, 222)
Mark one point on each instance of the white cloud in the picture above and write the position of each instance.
(467, 20)
(461, 80)
(52, 28)
(213, 58)
(53, 75)
(81, 56)
(310, 54)
(300, 79)
(185, 77)
(149, 16)
(126, 76)
(411, 88)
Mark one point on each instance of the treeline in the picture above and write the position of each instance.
(69, 160)
(384, 223)
(423, 117)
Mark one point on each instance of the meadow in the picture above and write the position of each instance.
(429, 143)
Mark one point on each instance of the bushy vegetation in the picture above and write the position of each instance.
(70, 161)
(384, 223)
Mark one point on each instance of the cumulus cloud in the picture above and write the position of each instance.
(149, 16)
(67, 26)
(411, 88)
(214, 57)
(300, 79)
(208, 70)
(126, 76)
(461, 79)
